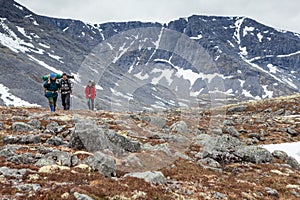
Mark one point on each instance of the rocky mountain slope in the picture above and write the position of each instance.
(138, 66)
(175, 154)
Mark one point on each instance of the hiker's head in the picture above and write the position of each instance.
(90, 83)
(64, 76)
(52, 76)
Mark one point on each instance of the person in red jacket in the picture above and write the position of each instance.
(90, 94)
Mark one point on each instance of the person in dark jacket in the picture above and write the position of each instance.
(66, 91)
(90, 94)
(52, 87)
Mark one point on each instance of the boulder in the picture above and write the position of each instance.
(180, 127)
(272, 192)
(210, 162)
(79, 196)
(21, 127)
(240, 108)
(52, 126)
(88, 135)
(253, 154)
(123, 142)
(26, 158)
(28, 187)
(153, 177)
(102, 163)
(232, 131)
(61, 158)
(35, 123)
(51, 169)
(55, 141)
(16, 173)
(281, 155)
(30, 139)
(293, 163)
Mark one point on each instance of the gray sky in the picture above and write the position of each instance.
(282, 14)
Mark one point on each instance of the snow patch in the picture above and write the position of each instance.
(141, 77)
(198, 37)
(273, 69)
(247, 29)
(288, 55)
(19, 7)
(165, 73)
(58, 58)
(45, 65)
(65, 29)
(11, 100)
(292, 149)
(44, 45)
(238, 23)
(260, 37)
(230, 43)
(22, 31)
(268, 93)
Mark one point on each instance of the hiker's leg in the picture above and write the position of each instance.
(54, 100)
(63, 100)
(92, 101)
(67, 102)
(51, 103)
(89, 103)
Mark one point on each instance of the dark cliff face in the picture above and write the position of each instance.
(149, 65)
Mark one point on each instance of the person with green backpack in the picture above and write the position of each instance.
(52, 87)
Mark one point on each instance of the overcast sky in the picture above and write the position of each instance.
(282, 14)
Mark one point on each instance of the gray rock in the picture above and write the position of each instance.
(219, 196)
(26, 158)
(153, 177)
(52, 126)
(132, 161)
(102, 163)
(253, 154)
(281, 155)
(60, 157)
(55, 141)
(292, 132)
(21, 127)
(272, 192)
(1, 126)
(232, 131)
(123, 142)
(16, 173)
(10, 139)
(179, 127)
(79, 196)
(293, 163)
(239, 108)
(228, 122)
(217, 131)
(210, 162)
(155, 121)
(279, 112)
(164, 147)
(45, 162)
(88, 135)
(35, 123)
(254, 135)
(28, 187)
(30, 139)
(7, 153)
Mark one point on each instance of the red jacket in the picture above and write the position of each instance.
(90, 91)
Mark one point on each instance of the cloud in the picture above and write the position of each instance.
(275, 13)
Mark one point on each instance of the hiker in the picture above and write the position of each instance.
(66, 91)
(90, 94)
(52, 86)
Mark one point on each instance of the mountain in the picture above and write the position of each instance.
(199, 60)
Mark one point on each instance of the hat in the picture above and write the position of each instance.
(64, 74)
(52, 75)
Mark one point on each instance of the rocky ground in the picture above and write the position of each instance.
(175, 154)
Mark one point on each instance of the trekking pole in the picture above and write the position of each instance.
(72, 102)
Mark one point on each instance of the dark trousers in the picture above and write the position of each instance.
(91, 103)
(65, 98)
